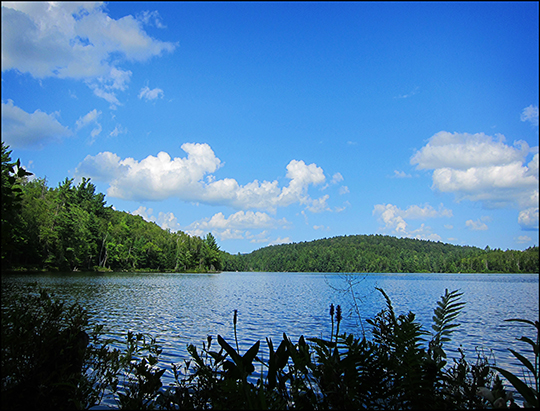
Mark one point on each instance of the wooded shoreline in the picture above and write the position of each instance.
(70, 228)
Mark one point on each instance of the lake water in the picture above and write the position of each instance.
(178, 309)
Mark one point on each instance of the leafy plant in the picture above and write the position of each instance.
(47, 361)
(398, 369)
(529, 391)
(142, 377)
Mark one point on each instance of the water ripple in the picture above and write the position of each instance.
(179, 309)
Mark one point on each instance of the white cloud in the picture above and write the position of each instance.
(424, 233)
(317, 205)
(23, 130)
(90, 118)
(158, 178)
(528, 218)
(262, 237)
(102, 167)
(321, 227)
(336, 178)
(343, 190)
(151, 18)
(530, 114)
(476, 225)
(477, 167)
(342, 208)
(164, 220)
(237, 225)
(118, 129)
(461, 151)
(394, 218)
(107, 96)
(280, 240)
(522, 239)
(168, 221)
(148, 94)
(239, 220)
(145, 213)
(78, 41)
(401, 174)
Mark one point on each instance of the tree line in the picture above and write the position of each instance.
(70, 227)
(382, 254)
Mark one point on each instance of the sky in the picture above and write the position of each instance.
(268, 123)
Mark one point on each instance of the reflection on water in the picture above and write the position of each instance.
(179, 309)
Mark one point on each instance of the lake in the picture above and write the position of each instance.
(179, 309)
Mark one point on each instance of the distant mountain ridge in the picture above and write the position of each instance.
(381, 254)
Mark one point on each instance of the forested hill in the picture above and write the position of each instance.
(380, 254)
(70, 227)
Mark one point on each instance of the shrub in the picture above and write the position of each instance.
(52, 360)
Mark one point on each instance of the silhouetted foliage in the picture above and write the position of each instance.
(52, 360)
(13, 175)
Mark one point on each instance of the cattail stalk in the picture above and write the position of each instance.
(332, 318)
(235, 319)
(338, 320)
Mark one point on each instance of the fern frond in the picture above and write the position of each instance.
(449, 308)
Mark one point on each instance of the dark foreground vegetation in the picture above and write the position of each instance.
(52, 360)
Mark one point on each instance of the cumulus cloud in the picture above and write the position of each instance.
(78, 41)
(461, 151)
(476, 225)
(530, 114)
(149, 95)
(237, 225)
(166, 221)
(478, 167)
(528, 218)
(30, 130)
(394, 219)
(239, 220)
(191, 179)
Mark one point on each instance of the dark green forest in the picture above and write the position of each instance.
(70, 227)
(383, 254)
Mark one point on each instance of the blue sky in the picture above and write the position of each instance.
(268, 123)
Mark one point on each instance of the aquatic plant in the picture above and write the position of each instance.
(402, 367)
(529, 390)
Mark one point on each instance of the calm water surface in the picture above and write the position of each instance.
(179, 309)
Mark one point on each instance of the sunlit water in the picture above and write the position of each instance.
(179, 309)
